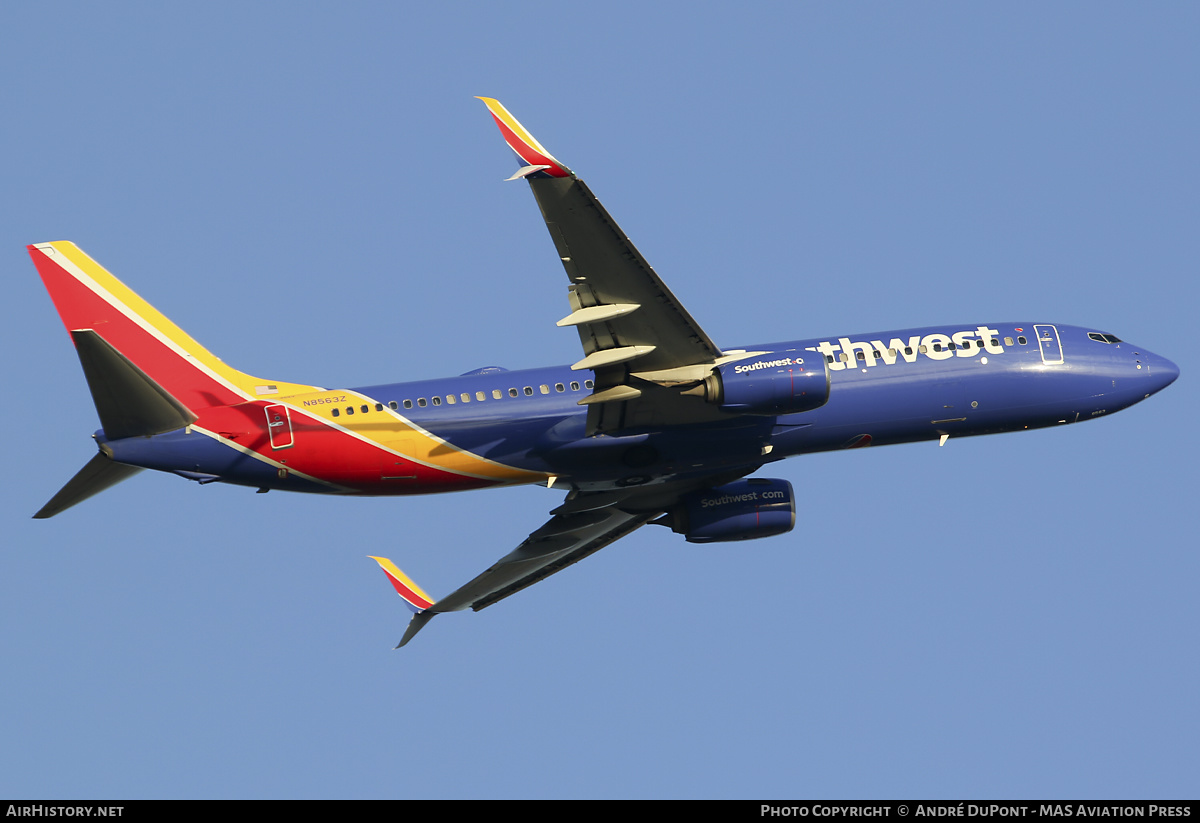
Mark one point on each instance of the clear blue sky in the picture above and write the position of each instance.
(315, 195)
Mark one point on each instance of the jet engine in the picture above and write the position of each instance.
(776, 383)
(743, 510)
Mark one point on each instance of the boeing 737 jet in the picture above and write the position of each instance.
(655, 423)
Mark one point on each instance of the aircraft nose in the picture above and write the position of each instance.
(1162, 372)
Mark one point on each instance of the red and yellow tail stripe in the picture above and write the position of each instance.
(386, 455)
(519, 139)
(89, 297)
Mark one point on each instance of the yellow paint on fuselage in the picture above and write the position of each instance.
(387, 428)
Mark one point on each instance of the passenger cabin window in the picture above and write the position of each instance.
(495, 394)
(587, 384)
(349, 410)
(394, 406)
(574, 385)
(544, 389)
(335, 412)
(1022, 340)
(408, 404)
(529, 391)
(422, 402)
(559, 387)
(512, 392)
(480, 396)
(437, 401)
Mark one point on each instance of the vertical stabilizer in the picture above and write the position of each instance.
(89, 297)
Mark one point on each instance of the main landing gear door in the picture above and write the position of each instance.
(1050, 345)
(279, 426)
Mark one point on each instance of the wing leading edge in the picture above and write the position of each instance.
(635, 333)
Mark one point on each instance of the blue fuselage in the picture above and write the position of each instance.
(883, 388)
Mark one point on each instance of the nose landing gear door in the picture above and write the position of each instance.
(1049, 344)
(279, 427)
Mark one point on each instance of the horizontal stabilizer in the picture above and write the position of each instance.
(100, 473)
(129, 402)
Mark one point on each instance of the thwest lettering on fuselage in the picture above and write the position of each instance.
(656, 424)
(934, 345)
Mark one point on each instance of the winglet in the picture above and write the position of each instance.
(415, 625)
(411, 593)
(530, 152)
(416, 599)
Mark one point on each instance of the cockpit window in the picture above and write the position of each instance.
(1103, 338)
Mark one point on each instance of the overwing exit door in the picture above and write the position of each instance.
(279, 427)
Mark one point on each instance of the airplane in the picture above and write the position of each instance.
(654, 424)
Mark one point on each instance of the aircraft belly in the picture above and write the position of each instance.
(201, 456)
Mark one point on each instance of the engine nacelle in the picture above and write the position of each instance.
(743, 510)
(771, 384)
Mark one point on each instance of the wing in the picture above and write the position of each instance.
(645, 350)
(636, 335)
(584, 524)
(573, 533)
